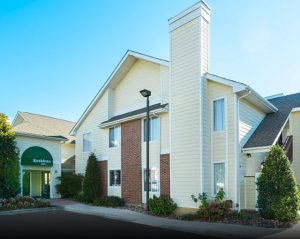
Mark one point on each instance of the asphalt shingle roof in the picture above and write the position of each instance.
(269, 128)
(135, 112)
(46, 126)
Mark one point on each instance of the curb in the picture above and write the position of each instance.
(29, 210)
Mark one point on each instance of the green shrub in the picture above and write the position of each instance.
(70, 185)
(81, 197)
(278, 196)
(213, 210)
(9, 160)
(162, 205)
(91, 184)
(109, 201)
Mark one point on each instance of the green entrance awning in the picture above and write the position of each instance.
(36, 156)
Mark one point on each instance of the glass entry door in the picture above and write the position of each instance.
(45, 184)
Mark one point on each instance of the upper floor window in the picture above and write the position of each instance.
(114, 137)
(115, 177)
(219, 115)
(153, 129)
(87, 142)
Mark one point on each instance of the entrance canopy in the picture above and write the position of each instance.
(37, 156)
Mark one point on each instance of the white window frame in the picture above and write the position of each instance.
(119, 140)
(225, 115)
(158, 179)
(213, 177)
(90, 139)
(114, 184)
(158, 129)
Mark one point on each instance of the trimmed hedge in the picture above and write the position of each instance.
(109, 201)
(70, 185)
(162, 205)
(23, 202)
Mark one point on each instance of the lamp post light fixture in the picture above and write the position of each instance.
(147, 93)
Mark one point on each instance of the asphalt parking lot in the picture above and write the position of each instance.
(59, 224)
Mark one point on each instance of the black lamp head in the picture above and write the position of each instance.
(145, 93)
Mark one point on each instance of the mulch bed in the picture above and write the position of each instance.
(245, 217)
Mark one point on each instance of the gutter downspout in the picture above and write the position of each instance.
(238, 151)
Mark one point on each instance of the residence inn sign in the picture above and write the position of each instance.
(36, 156)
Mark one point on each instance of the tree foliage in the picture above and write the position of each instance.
(70, 185)
(278, 196)
(9, 160)
(91, 185)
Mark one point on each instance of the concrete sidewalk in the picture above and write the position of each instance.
(202, 228)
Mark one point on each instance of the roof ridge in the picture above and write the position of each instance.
(47, 130)
(286, 95)
(47, 116)
(128, 51)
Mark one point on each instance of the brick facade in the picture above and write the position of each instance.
(131, 162)
(165, 174)
(103, 177)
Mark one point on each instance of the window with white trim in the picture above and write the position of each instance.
(219, 177)
(87, 143)
(219, 115)
(114, 137)
(153, 180)
(115, 177)
(153, 129)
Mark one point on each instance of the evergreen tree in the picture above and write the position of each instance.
(91, 185)
(9, 160)
(278, 196)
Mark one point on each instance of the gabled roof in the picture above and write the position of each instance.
(269, 129)
(119, 72)
(245, 90)
(69, 165)
(35, 125)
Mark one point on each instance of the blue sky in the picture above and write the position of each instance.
(55, 55)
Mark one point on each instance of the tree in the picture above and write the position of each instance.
(278, 196)
(91, 186)
(9, 160)
(70, 185)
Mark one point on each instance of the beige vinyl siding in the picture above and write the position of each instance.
(114, 163)
(250, 118)
(249, 167)
(296, 144)
(142, 75)
(206, 109)
(54, 148)
(164, 133)
(99, 136)
(205, 45)
(165, 84)
(222, 143)
(185, 113)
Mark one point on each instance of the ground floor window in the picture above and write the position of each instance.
(219, 177)
(115, 177)
(153, 180)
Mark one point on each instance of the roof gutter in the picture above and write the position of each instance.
(62, 139)
(265, 102)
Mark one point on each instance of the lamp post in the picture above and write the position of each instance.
(147, 93)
